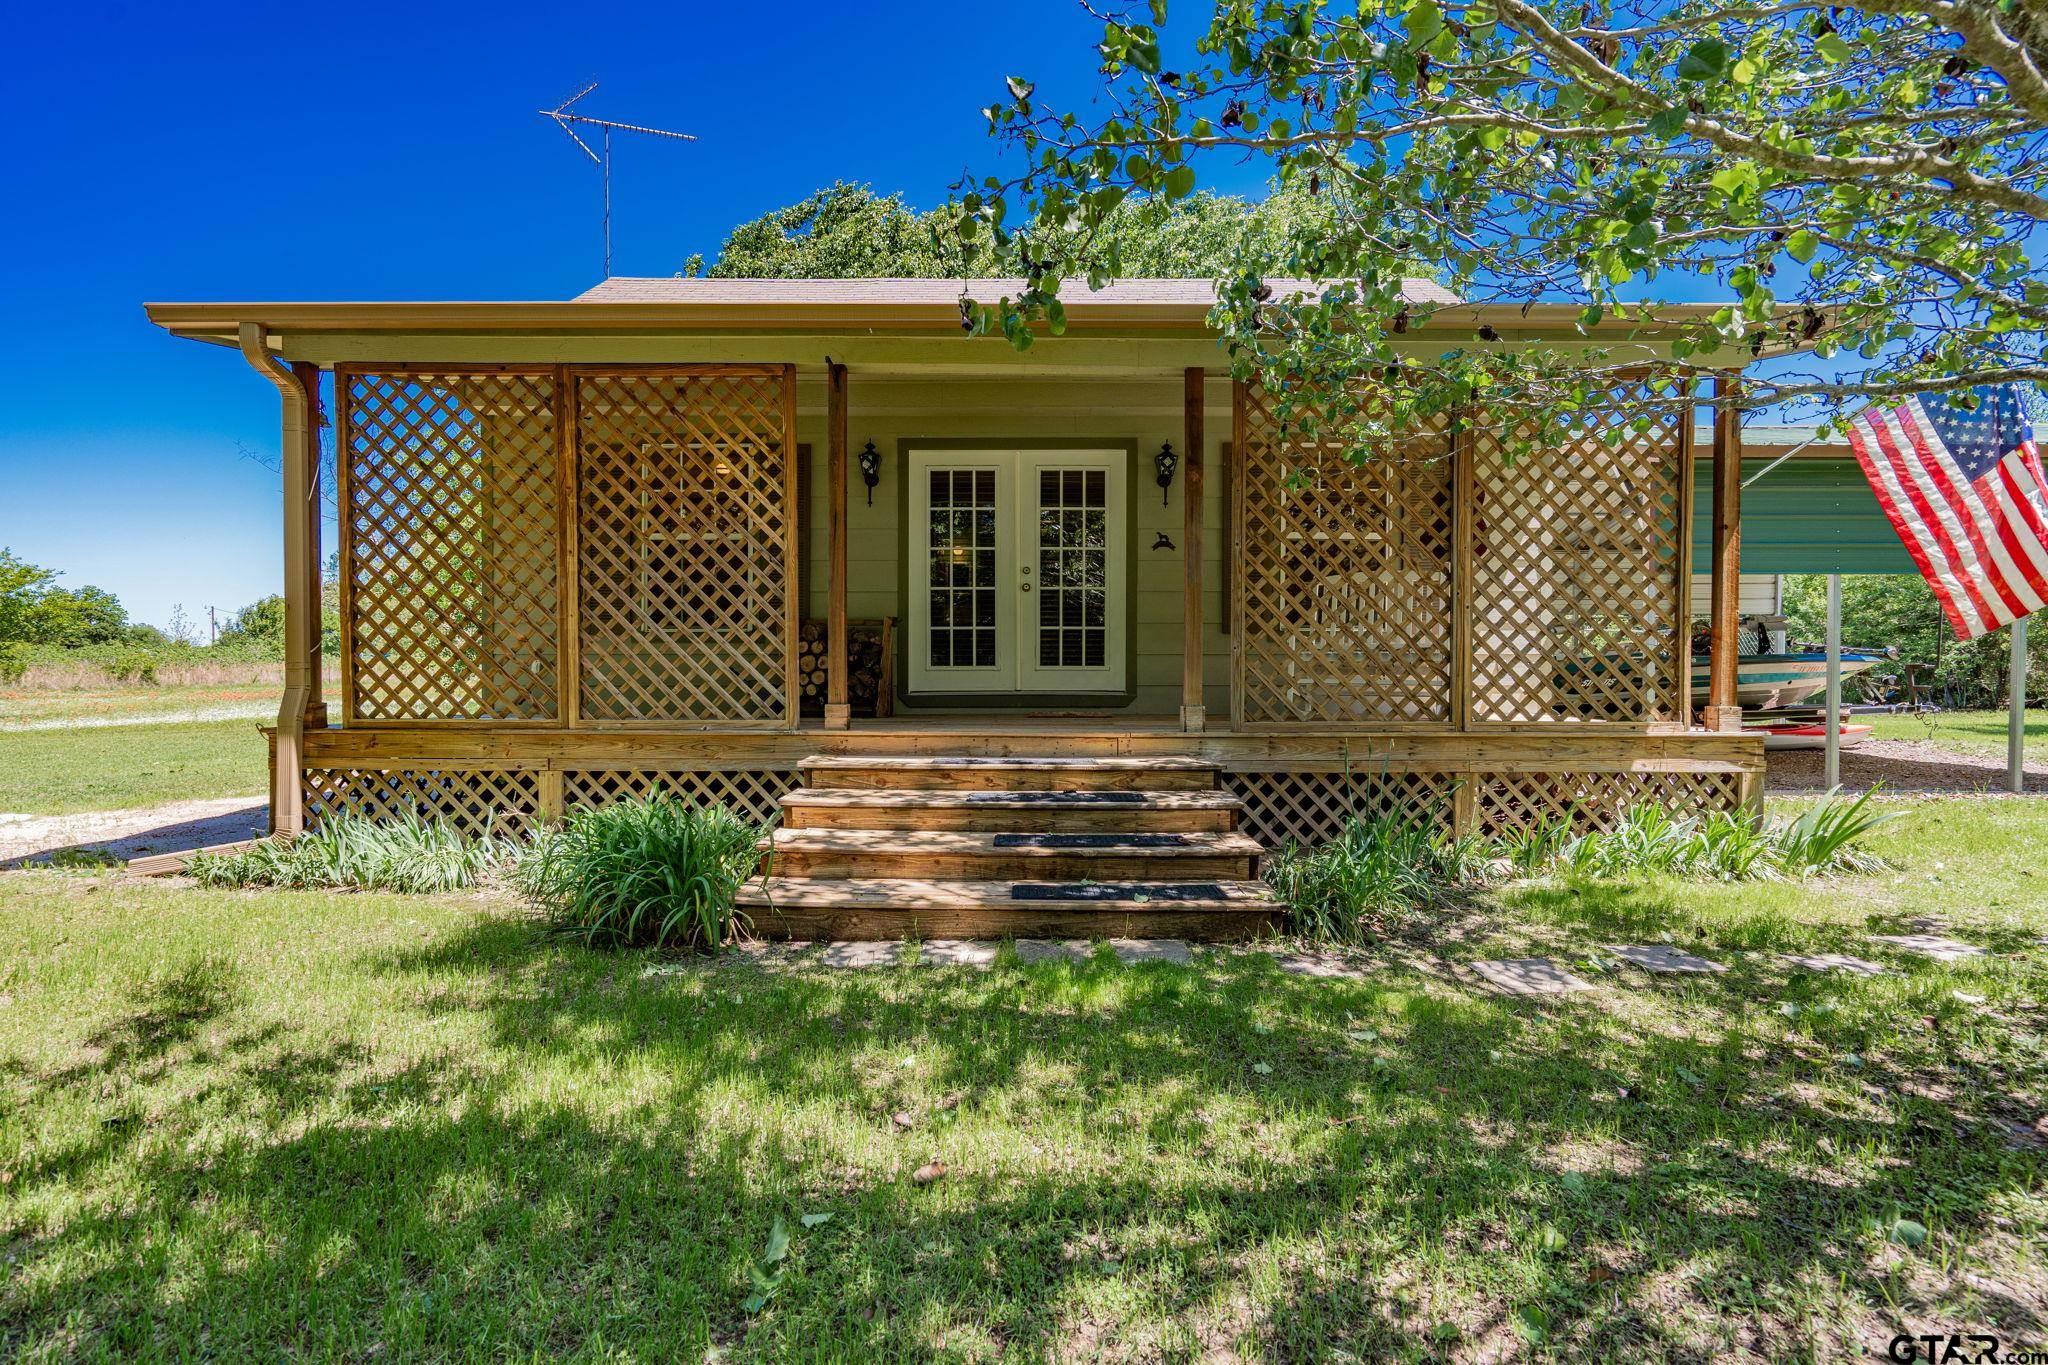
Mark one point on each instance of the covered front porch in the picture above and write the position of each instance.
(581, 547)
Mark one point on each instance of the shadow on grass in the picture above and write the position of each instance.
(599, 1176)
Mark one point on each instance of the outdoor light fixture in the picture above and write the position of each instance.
(870, 469)
(1166, 462)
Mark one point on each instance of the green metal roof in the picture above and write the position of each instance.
(1805, 516)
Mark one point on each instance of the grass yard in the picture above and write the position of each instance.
(1970, 731)
(22, 707)
(258, 1125)
(64, 771)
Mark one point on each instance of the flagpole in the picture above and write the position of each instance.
(2016, 723)
(1831, 768)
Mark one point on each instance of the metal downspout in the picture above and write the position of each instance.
(287, 807)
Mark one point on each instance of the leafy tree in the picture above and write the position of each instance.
(849, 232)
(35, 610)
(1861, 183)
(1899, 610)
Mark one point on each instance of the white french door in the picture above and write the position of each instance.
(1017, 562)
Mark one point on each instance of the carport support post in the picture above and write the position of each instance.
(2016, 722)
(1831, 776)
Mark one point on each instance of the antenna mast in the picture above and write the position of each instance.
(603, 158)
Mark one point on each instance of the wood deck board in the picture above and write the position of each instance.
(937, 893)
(1198, 844)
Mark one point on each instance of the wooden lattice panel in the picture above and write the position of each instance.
(1577, 566)
(686, 542)
(749, 792)
(1310, 808)
(1345, 575)
(1511, 801)
(451, 545)
(474, 800)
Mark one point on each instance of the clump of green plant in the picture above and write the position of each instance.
(1378, 867)
(1722, 845)
(353, 852)
(651, 872)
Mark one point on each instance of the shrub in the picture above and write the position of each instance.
(1823, 837)
(653, 872)
(1378, 866)
(352, 852)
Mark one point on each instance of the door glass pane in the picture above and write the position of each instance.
(961, 544)
(1073, 563)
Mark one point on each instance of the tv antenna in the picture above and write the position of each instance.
(602, 156)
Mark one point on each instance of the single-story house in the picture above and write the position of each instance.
(594, 546)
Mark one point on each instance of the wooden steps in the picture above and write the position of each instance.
(1173, 772)
(882, 846)
(910, 907)
(1069, 811)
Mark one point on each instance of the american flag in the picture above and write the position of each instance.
(1964, 489)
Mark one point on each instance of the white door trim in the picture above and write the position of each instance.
(1005, 623)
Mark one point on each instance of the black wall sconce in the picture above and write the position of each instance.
(1165, 462)
(870, 469)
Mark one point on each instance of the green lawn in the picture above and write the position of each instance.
(59, 772)
(241, 1125)
(1978, 731)
(109, 705)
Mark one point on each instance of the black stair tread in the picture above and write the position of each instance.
(923, 893)
(985, 763)
(1192, 843)
(924, 798)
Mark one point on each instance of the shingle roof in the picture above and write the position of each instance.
(933, 293)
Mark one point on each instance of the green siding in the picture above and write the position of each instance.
(1805, 516)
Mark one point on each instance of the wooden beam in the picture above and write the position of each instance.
(838, 706)
(1193, 711)
(1725, 596)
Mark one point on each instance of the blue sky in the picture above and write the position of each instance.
(353, 152)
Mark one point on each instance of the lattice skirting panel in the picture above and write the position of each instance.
(749, 792)
(510, 800)
(474, 800)
(1511, 801)
(1311, 807)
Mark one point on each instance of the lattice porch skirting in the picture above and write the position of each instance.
(1300, 806)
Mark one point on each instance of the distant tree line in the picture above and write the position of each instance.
(40, 614)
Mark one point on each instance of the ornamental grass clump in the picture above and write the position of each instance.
(349, 852)
(1377, 868)
(652, 872)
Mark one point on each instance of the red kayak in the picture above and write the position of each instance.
(1805, 734)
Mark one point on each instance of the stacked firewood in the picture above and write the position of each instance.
(870, 666)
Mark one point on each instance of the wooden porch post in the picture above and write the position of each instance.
(308, 375)
(1725, 595)
(838, 707)
(287, 798)
(1193, 712)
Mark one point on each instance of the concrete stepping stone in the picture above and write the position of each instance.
(1662, 957)
(956, 952)
(1031, 950)
(1131, 951)
(1931, 945)
(864, 954)
(1528, 976)
(1835, 962)
(1323, 965)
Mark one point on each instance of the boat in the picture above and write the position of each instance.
(1766, 682)
(1805, 734)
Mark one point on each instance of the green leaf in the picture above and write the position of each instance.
(1906, 1232)
(1532, 1325)
(1801, 245)
(1704, 60)
(1180, 181)
(1831, 48)
(815, 1220)
(1745, 72)
(778, 1242)
(1668, 123)
(1424, 22)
